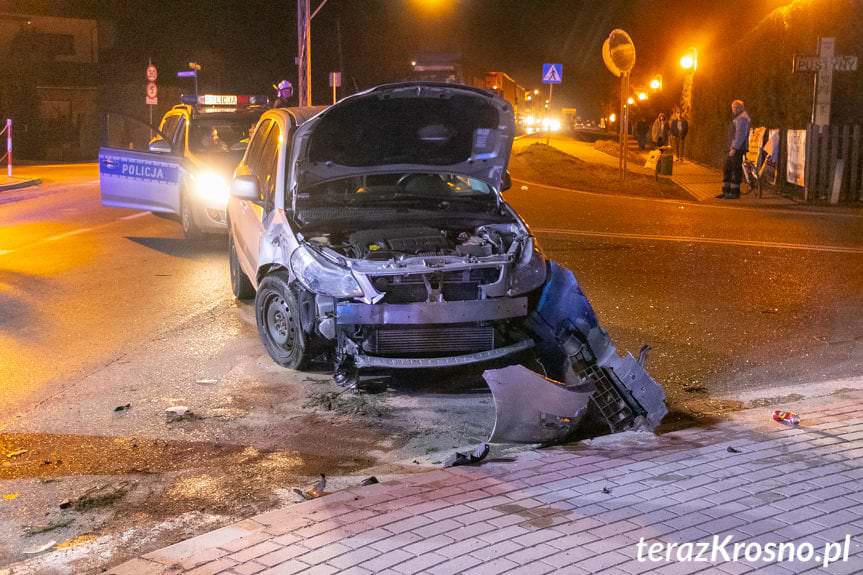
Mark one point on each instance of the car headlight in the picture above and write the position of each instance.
(322, 277)
(212, 187)
(529, 272)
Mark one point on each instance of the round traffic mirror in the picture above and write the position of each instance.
(618, 52)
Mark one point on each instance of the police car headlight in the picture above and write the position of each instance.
(323, 277)
(529, 272)
(212, 187)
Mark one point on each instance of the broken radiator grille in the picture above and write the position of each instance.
(607, 400)
(454, 286)
(412, 341)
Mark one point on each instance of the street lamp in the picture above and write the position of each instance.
(630, 100)
(689, 61)
(656, 83)
(642, 96)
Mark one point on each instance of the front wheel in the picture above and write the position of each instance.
(279, 325)
(241, 287)
(187, 219)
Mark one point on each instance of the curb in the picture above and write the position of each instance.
(20, 184)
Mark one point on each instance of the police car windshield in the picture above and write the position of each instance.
(220, 135)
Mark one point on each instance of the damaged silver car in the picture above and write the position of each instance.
(375, 229)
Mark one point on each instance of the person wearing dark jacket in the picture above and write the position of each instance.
(679, 129)
(738, 145)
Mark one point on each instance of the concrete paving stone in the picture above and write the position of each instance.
(535, 568)
(427, 544)
(396, 542)
(537, 537)
(735, 568)
(723, 524)
(137, 566)
(835, 504)
(467, 496)
(287, 568)
(635, 567)
(387, 518)
(409, 524)
(688, 520)
(442, 493)
(437, 527)
(608, 544)
(325, 553)
(489, 552)
(569, 557)
(504, 488)
(577, 524)
(322, 527)
(687, 535)
(602, 562)
(727, 496)
(503, 533)
(753, 514)
(481, 515)
(472, 530)
(795, 502)
(354, 557)
(201, 558)
(447, 512)
(454, 566)
(243, 542)
(767, 525)
(462, 547)
(184, 549)
(420, 563)
(212, 568)
(366, 537)
(354, 516)
(688, 494)
(506, 520)
(591, 510)
(248, 568)
(616, 528)
(321, 569)
(839, 532)
(282, 555)
(652, 532)
(250, 553)
(402, 503)
(571, 540)
(386, 560)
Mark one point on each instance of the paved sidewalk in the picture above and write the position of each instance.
(575, 509)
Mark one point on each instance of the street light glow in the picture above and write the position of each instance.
(630, 100)
(612, 117)
(655, 84)
(687, 62)
(642, 96)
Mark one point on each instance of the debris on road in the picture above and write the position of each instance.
(121, 408)
(15, 453)
(41, 548)
(11, 496)
(207, 381)
(585, 380)
(99, 496)
(733, 450)
(468, 458)
(58, 523)
(369, 480)
(606, 490)
(315, 490)
(179, 413)
(786, 417)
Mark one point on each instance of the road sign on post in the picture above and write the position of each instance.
(823, 65)
(335, 82)
(152, 96)
(618, 53)
(552, 73)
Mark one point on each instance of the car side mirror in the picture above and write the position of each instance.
(160, 146)
(245, 188)
(505, 182)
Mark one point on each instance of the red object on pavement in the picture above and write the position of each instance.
(786, 417)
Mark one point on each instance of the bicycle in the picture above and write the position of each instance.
(750, 176)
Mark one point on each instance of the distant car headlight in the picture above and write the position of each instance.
(529, 272)
(213, 188)
(322, 277)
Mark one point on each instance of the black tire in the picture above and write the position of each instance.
(187, 219)
(279, 325)
(241, 287)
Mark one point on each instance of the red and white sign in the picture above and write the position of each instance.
(152, 73)
(152, 94)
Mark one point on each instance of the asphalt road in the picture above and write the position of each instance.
(101, 307)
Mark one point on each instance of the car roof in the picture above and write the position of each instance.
(301, 114)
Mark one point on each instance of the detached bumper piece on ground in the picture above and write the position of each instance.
(586, 385)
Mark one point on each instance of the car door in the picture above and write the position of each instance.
(247, 219)
(140, 167)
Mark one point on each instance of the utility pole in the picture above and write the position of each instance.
(304, 54)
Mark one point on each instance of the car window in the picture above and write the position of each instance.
(253, 156)
(179, 137)
(268, 167)
(169, 126)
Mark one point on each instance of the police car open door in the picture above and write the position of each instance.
(138, 166)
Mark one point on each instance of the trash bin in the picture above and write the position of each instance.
(665, 162)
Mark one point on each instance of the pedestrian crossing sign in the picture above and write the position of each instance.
(552, 73)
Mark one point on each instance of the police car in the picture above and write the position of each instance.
(182, 169)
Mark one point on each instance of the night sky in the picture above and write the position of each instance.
(245, 46)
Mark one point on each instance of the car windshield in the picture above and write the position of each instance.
(220, 135)
(382, 189)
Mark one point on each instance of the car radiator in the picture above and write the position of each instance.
(393, 341)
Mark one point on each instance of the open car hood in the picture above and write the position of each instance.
(409, 127)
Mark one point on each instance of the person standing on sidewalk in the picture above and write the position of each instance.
(659, 131)
(738, 144)
(679, 129)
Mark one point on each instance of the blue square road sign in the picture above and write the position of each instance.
(552, 73)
